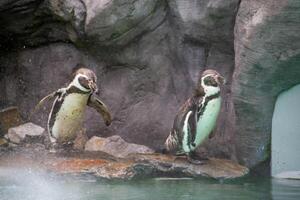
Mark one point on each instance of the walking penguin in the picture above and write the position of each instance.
(197, 117)
(67, 112)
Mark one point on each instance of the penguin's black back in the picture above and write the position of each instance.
(192, 104)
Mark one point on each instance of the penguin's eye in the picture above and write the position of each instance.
(84, 82)
(210, 81)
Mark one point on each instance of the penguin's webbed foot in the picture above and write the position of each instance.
(67, 146)
(195, 159)
(195, 162)
(60, 147)
(53, 147)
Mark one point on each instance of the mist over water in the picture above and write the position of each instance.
(30, 184)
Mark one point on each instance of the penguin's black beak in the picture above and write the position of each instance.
(94, 87)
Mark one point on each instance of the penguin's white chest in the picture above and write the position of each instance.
(207, 120)
(204, 126)
(69, 117)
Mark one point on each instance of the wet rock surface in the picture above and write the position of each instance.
(104, 166)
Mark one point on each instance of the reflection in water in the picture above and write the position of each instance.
(285, 189)
(31, 185)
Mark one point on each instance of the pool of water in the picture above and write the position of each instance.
(29, 185)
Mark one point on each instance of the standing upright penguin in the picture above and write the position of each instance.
(197, 117)
(66, 116)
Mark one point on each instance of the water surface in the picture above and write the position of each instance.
(29, 185)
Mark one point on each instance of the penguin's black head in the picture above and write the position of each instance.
(211, 78)
(209, 82)
(84, 79)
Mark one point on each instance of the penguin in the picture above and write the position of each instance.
(67, 112)
(197, 117)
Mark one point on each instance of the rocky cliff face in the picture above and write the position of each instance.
(147, 56)
(267, 60)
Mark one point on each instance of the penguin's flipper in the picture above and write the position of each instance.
(192, 121)
(41, 102)
(97, 104)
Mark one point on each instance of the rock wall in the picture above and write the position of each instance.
(267, 60)
(147, 55)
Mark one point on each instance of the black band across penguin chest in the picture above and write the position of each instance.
(203, 105)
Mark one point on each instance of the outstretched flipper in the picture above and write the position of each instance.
(60, 92)
(97, 104)
(41, 102)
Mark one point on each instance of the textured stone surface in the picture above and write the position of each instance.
(147, 55)
(19, 133)
(9, 117)
(103, 166)
(35, 22)
(117, 22)
(209, 21)
(3, 142)
(267, 63)
(115, 146)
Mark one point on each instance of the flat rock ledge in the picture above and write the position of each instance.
(104, 166)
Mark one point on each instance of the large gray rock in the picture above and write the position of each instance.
(267, 61)
(9, 117)
(115, 146)
(147, 56)
(118, 22)
(19, 133)
(208, 21)
(35, 22)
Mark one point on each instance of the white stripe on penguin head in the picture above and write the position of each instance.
(77, 84)
(209, 90)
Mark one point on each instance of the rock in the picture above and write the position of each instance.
(147, 166)
(3, 142)
(9, 117)
(146, 54)
(28, 132)
(80, 140)
(208, 21)
(115, 146)
(117, 22)
(266, 63)
(40, 22)
(103, 166)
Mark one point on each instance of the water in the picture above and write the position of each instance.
(29, 185)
